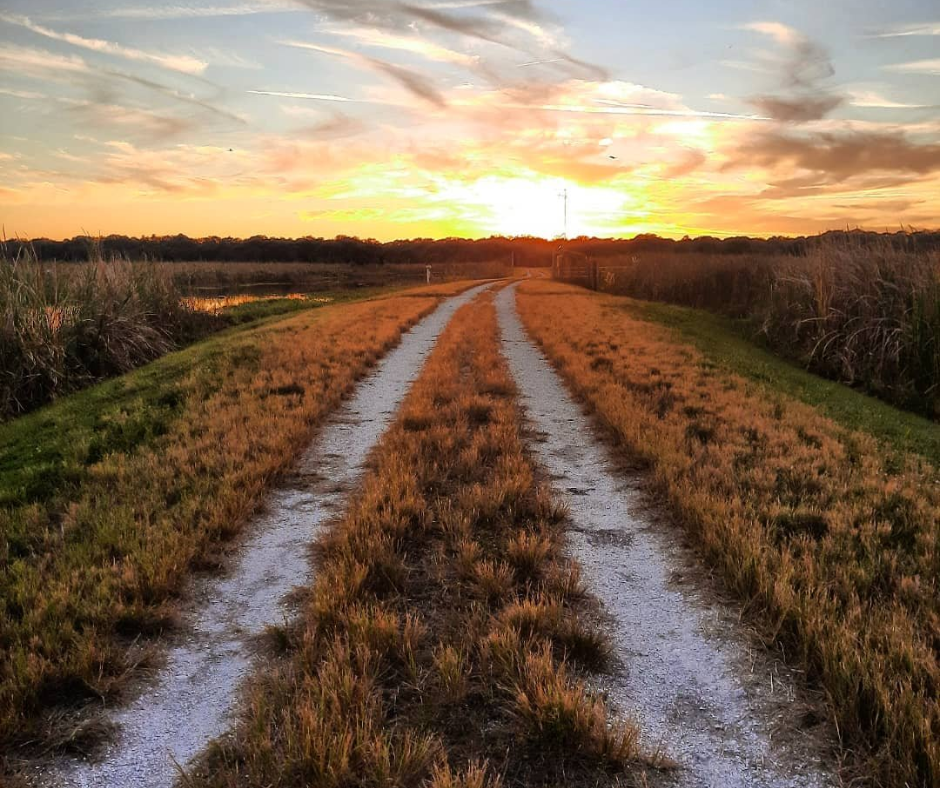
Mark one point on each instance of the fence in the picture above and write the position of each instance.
(575, 268)
(578, 269)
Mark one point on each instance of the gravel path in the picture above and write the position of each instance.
(193, 698)
(687, 673)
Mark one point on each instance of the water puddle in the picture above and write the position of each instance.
(193, 698)
(213, 305)
(687, 674)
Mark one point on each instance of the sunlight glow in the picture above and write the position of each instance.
(536, 205)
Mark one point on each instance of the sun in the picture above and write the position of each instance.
(536, 206)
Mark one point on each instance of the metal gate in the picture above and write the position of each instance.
(575, 268)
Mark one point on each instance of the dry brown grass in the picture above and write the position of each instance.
(90, 565)
(428, 655)
(832, 542)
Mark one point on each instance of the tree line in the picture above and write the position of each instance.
(525, 251)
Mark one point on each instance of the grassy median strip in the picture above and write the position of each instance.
(832, 540)
(446, 638)
(111, 497)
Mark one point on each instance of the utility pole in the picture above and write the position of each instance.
(566, 214)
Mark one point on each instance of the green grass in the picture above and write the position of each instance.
(724, 343)
(45, 452)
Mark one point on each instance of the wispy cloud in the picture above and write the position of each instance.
(903, 31)
(374, 37)
(182, 63)
(931, 67)
(194, 11)
(591, 98)
(873, 99)
(22, 94)
(833, 158)
(805, 65)
(806, 62)
(517, 25)
(797, 109)
(101, 83)
(150, 125)
(309, 96)
(412, 81)
(176, 95)
(647, 111)
(336, 126)
(38, 63)
(781, 33)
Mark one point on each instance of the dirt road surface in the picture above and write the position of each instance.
(686, 672)
(192, 699)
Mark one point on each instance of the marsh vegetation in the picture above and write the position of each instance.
(863, 310)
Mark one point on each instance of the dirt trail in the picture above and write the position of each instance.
(193, 697)
(687, 674)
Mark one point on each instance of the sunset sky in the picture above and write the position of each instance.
(435, 118)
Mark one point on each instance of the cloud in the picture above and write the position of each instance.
(337, 126)
(187, 11)
(688, 164)
(38, 63)
(310, 96)
(833, 157)
(181, 63)
(587, 69)
(22, 94)
(804, 64)
(781, 33)
(473, 26)
(176, 95)
(495, 25)
(902, 31)
(861, 97)
(931, 67)
(100, 82)
(898, 206)
(797, 110)
(149, 125)
(544, 105)
(412, 44)
(402, 16)
(414, 83)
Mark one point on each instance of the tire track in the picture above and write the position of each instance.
(193, 698)
(686, 671)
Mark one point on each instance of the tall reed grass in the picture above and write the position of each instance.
(862, 311)
(63, 327)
